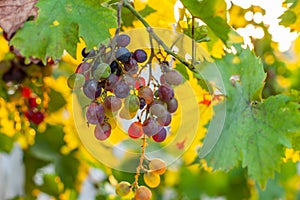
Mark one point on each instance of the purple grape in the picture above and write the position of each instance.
(172, 105)
(165, 121)
(160, 136)
(90, 88)
(102, 131)
(165, 92)
(129, 80)
(158, 110)
(95, 113)
(142, 103)
(123, 55)
(114, 66)
(122, 89)
(123, 40)
(151, 127)
(140, 55)
(111, 82)
(173, 77)
(112, 103)
(131, 67)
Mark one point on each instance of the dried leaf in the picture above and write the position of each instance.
(13, 14)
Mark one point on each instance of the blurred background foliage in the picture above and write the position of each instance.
(42, 156)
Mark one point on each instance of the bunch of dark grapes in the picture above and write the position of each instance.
(117, 87)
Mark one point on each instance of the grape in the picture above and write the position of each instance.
(76, 81)
(129, 80)
(26, 92)
(101, 70)
(112, 103)
(140, 82)
(15, 73)
(135, 130)
(102, 131)
(37, 117)
(99, 90)
(83, 67)
(143, 193)
(132, 103)
(84, 53)
(123, 40)
(173, 77)
(146, 93)
(151, 127)
(157, 166)
(114, 66)
(95, 113)
(158, 110)
(123, 188)
(151, 179)
(142, 103)
(123, 55)
(111, 82)
(165, 92)
(140, 55)
(90, 88)
(32, 102)
(162, 79)
(125, 114)
(131, 67)
(160, 136)
(165, 121)
(122, 89)
(172, 105)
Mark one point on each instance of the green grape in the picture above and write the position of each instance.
(76, 81)
(132, 103)
(157, 166)
(152, 179)
(101, 71)
(143, 193)
(123, 188)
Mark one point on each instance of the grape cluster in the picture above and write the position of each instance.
(117, 88)
(33, 113)
(155, 168)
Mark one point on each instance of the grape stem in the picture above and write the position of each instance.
(140, 166)
(127, 4)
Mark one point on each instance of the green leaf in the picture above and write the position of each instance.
(59, 25)
(287, 18)
(50, 185)
(128, 18)
(48, 144)
(67, 168)
(255, 132)
(183, 71)
(56, 102)
(213, 13)
(6, 143)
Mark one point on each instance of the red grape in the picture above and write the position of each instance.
(135, 130)
(102, 131)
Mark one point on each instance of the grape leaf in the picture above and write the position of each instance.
(213, 13)
(128, 18)
(59, 25)
(13, 14)
(290, 18)
(255, 131)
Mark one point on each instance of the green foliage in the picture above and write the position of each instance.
(255, 131)
(6, 143)
(128, 18)
(213, 13)
(47, 147)
(59, 26)
(56, 102)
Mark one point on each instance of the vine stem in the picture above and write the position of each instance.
(127, 4)
(140, 166)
